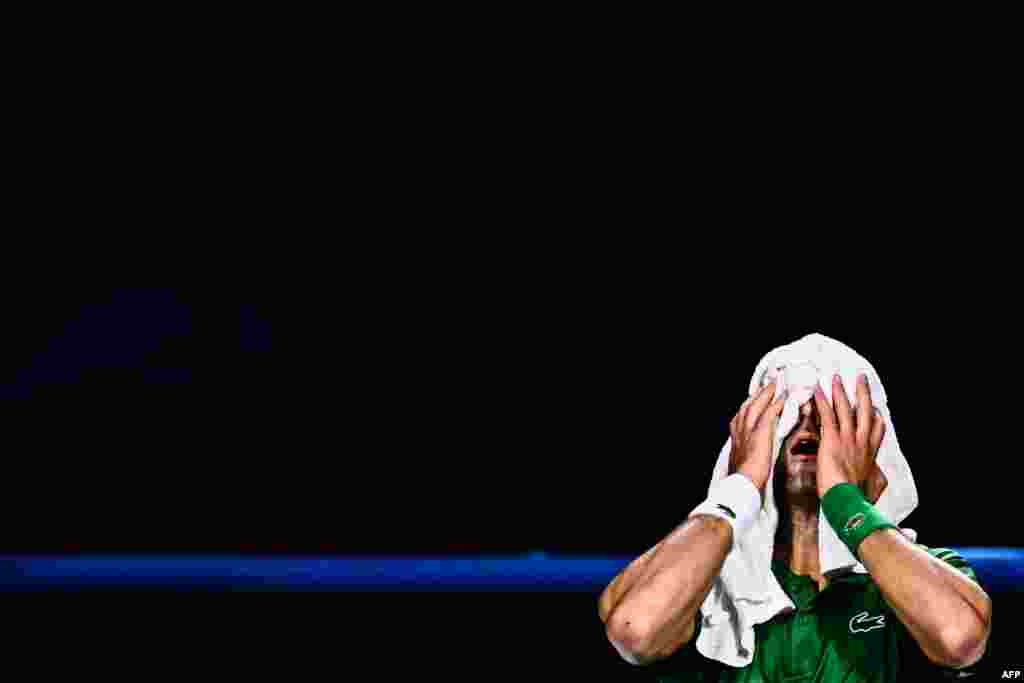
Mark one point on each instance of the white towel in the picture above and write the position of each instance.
(746, 591)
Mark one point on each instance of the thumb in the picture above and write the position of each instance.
(774, 410)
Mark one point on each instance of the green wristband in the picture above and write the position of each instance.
(851, 515)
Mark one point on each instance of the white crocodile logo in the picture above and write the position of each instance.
(863, 618)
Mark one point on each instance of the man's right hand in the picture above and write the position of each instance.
(753, 433)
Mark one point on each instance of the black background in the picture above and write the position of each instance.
(562, 413)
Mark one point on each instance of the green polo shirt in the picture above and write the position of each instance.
(845, 633)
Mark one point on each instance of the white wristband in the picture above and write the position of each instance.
(734, 499)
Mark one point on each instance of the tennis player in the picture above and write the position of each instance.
(918, 614)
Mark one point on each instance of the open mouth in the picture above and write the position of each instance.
(808, 448)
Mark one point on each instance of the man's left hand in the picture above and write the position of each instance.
(849, 442)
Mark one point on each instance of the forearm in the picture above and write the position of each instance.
(650, 613)
(623, 583)
(946, 613)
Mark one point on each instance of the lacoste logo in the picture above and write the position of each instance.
(728, 511)
(863, 618)
(854, 522)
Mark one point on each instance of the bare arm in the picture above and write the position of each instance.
(649, 608)
(948, 615)
(625, 580)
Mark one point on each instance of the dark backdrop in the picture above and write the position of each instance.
(490, 413)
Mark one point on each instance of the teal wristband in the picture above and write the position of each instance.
(851, 515)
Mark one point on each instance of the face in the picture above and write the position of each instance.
(798, 461)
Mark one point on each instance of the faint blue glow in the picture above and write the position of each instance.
(1000, 569)
(992, 553)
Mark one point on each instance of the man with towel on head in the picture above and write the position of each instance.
(718, 601)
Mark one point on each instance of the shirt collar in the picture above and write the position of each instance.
(786, 575)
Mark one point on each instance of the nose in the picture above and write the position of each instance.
(809, 414)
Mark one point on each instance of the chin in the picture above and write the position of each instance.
(802, 487)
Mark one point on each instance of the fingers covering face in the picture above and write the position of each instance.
(842, 406)
(865, 411)
(737, 419)
(869, 429)
(877, 431)
(776, 408)
(825, 412)
(758, 405)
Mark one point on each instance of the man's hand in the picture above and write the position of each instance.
(849, 443)
(753, 433)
